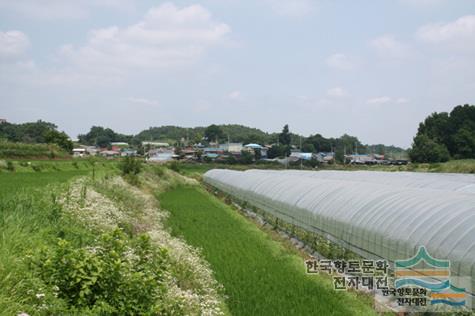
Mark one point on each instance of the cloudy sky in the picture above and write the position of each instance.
(373, 69)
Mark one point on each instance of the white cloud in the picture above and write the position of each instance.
(234, 95)
(460, 32)
(337, 92)
(13, 44)
(340, 61)
(292, 8)
(166, 36)
(389, 47)
(385, 100)
(62, 9)
(143, 101)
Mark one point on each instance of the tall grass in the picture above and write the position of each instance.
(260, 276)
(29, 219)
(21, 151)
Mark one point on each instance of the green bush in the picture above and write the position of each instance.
(118, 276)
(10, 166)
(36, 168)
(174, 165)
(130, 165)
(24, 164)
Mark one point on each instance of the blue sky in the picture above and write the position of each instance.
(373, 69)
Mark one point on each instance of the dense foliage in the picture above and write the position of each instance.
(39, 132)
(87, 278)
(102, 137)
(214, 133)
(446, 135)
(235, 132)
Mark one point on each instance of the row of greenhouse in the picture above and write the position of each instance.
(377, 215)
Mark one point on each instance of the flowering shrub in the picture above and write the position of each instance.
(118, 276)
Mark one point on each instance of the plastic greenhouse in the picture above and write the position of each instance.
(375, 214)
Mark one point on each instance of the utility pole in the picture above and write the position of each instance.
(301, 160)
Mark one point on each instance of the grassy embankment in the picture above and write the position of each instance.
(260, 275)
(28, 221)
(10, 150)
(61, 252)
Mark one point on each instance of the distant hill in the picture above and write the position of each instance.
(235, 133)
(245, 134)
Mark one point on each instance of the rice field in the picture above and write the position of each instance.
(259, 274)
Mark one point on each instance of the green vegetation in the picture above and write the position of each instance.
(84, 247)
(443, 136)
(45, 166)
(88, 280)
(214, 133)
(30, 219)
(236, 133)
(260, 275)
(102, 137)
(31, 151)
(131, 167)
(39, 132)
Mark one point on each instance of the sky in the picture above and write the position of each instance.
(372, 69)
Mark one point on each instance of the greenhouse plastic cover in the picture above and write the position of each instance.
(375, 214)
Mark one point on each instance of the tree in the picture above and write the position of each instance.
(246, 157)
(284, 136)
(253, 139)
(102, 137)
(308, 148)
(464, 142)
(437, 127)
(59, 138)
(198, 138)
(213, 133)
(276, 151)
(102, 141)
(454, 131)
(424, 149)
(35, 132)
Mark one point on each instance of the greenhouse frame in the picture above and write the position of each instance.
(377, 215)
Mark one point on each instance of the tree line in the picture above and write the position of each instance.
(443, 136)
(39, 132)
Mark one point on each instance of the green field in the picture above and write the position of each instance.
(260, 275)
